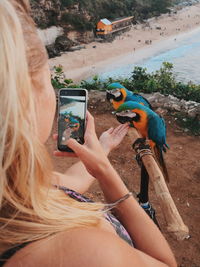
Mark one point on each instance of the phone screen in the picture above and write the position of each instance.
(71, 116)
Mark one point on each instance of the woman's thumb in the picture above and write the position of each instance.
(76, 147)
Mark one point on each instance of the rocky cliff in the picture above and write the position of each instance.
(66, 25)
(78, 18)
(46, 12)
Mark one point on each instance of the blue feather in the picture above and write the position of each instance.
(115, 85)
(156, 124)
(130, 96)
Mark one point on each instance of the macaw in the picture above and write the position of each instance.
(67, 117)
(71, 128)
(150, 125)
(117, 94)
(74, 124)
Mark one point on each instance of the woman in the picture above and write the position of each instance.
(41, 224)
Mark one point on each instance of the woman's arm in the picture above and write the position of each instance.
(77, 177)
(143, 231)
(141, 228)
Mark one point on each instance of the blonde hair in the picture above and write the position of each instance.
(30, 208)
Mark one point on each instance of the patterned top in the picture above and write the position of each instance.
(119, 228)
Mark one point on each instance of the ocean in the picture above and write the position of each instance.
(182, 50)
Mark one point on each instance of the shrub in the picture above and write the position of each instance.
(67, 3)
(58, 79)
(79, 22)
(162, 81)
(94, 84)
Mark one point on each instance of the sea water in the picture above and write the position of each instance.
(182, 50)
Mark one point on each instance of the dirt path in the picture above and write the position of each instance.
(184, 168)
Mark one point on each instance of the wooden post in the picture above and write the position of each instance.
(175, 224)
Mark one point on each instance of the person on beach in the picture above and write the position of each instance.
(44, 219)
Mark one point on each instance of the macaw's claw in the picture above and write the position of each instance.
(140, 143)
(141, 148)
(152, 213)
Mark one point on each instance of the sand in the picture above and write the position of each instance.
(91, 60)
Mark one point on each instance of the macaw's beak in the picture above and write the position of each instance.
(109, 96)
(125, 116)
(123, 119)
(75, 127)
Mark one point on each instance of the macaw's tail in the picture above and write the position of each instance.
(159, 156)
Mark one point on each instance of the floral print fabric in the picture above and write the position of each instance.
(119, 228)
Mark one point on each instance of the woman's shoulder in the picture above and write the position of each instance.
(87, 246)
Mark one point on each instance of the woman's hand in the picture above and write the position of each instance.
(113, 137)
(91, 153)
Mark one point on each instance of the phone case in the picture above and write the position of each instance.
(72, 106)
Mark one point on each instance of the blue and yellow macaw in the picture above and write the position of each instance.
(150, 125)
(67, 117)
(117, 94)
(74, 124)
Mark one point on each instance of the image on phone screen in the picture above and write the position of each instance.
(71, 121)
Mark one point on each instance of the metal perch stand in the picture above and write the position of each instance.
(175, 224)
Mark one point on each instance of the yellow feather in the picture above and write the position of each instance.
(142, 125)
(116, 104)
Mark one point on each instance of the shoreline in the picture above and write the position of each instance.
(140, 40)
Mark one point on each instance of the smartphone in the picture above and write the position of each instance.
(72, 106)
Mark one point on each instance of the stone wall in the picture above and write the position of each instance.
(170, 103)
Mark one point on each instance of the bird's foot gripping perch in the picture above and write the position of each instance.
(150, 211)
(142, 148)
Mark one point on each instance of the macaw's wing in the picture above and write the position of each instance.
(147, 103)
(157, 131)
(139, 99)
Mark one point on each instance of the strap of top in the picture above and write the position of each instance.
(10, 252)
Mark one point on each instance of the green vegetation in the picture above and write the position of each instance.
(58, 79)
(162, 80)
(83, 15)
(68, 3)
(79, 22)
(141, 9)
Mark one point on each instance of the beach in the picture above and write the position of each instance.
(91, 60)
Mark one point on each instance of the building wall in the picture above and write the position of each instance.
(105, 28)
(122, 22)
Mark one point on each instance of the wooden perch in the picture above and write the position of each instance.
(173, 219)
